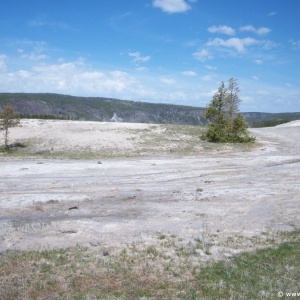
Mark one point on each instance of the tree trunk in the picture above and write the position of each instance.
(6, 138)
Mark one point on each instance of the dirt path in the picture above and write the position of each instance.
(139, 199)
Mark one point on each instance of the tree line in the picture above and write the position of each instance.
(42, 116)
(268, 123)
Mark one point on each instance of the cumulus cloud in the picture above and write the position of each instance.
(202, 55)
(238, 44)
(259, 31)
(222, 29)
(189, 73)
(247, 28)
(71, 77)
(138, 58)
(172, 6)
(263, 30)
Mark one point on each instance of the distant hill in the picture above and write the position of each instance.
(104, 109)
(259, 119)
(101, 109)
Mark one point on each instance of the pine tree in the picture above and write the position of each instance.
(226, 124)
(9, 119)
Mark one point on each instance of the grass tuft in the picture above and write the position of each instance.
(167, 272)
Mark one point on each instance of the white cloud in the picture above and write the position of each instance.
(172, 6)
(30, 43)
(34, 56)
(202, 55)
(288, 84)
(141, 69)
(263, 30)
(49, 70)
(2, 63)
(192, 43)
(24, 74)
(222, 29)
(263, 93)
(41, 21)
(238, 44)
(296, 44)
(138, 58)
(247, 28)
(206, 77)
(72, 78)
(36, 53)
(258, 61)
(189, 73)
(267, 44)
(273, 13)
(82, 79)
(259, 31)
(210, 67)
(167, 80)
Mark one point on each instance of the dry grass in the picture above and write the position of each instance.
(171, 271)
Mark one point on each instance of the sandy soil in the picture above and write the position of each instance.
(225, 192)
(53, 135)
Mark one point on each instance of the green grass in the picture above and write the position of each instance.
(151, 271)
(253, 275)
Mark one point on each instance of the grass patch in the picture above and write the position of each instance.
(167, 272)
(253, 275)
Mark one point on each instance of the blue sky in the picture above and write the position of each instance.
(170, 51)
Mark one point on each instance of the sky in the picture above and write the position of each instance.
(160, 51)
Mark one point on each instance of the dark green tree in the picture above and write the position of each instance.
(226, 124)
(8, 119)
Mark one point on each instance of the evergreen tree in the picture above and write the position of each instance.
(233, 100)
(9, 119)
(226, 124)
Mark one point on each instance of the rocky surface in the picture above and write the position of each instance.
(118, 201)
